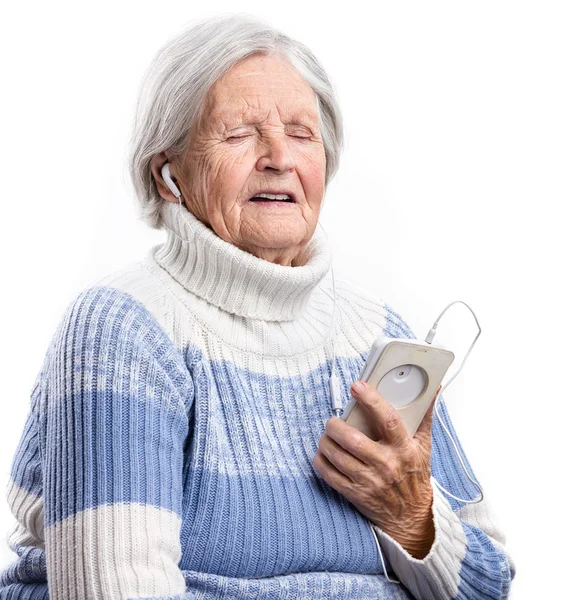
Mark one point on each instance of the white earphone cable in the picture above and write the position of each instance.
(337, 406)
(335, 388)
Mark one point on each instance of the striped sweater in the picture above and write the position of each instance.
(167, 453)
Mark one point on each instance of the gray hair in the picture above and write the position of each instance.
(175, 85)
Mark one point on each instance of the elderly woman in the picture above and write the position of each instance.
(180, 442)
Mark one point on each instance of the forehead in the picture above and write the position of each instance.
(258, 86)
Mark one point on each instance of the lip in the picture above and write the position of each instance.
(275, 191)
(279, 204)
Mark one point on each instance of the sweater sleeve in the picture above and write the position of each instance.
(24, 497)
(468, 559)
(113, 420)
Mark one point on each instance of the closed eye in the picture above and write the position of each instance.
(237, 137)
(245, 136)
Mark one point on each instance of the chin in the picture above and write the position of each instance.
(280, 235)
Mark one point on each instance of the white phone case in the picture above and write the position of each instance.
(406, 373)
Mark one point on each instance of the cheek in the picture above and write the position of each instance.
(227, 170)
(312, 175)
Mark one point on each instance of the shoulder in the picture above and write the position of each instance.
(142, 286)
(109, 336)
(110, 322)
(107, 312)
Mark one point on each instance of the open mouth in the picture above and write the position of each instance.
(266, 201)
(273, 198)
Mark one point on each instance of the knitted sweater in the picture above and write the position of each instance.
(168, 449)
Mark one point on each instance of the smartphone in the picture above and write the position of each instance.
(407, 373)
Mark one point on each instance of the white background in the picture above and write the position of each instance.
(457, 182)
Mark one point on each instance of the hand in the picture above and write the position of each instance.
(388, 480)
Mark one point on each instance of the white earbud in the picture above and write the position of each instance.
(169, 181)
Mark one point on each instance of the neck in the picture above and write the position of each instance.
(232, 278)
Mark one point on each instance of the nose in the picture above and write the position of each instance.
(276, 154)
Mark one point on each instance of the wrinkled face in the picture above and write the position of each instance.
(259, 131)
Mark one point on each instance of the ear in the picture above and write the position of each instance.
(156, 165)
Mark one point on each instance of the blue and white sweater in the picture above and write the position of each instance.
(168, 449)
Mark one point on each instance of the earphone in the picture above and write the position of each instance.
(167, 177)
(334, 384)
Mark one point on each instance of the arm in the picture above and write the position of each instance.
(468, 557)
(113, 420)
(24, 497)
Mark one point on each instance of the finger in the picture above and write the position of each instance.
(340, 458)
(335, 478)
(353, 440)
(423, 433)
(386, 418)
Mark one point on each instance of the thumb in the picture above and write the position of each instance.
(423, 433)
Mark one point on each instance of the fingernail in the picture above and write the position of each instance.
(358, 387)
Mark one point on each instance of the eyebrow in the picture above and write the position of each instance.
(300, 117)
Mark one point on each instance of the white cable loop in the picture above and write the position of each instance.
(429, 339)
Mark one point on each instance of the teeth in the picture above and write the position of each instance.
(273, 196)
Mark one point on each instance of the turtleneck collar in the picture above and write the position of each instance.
(233, 279)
